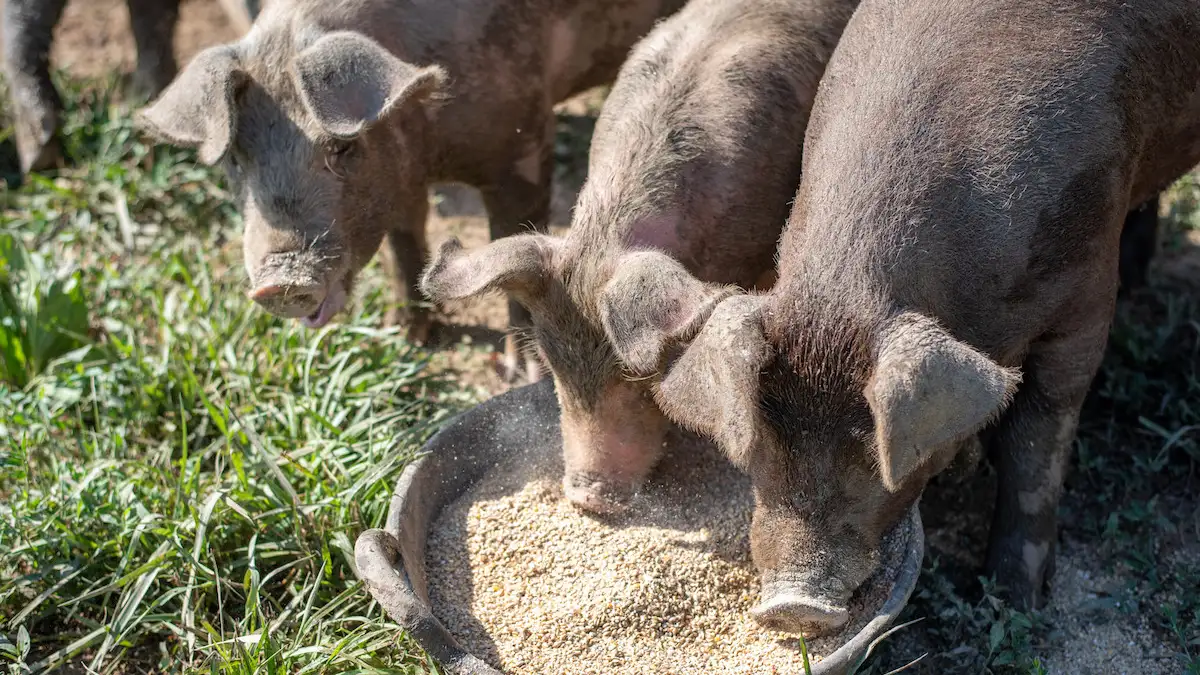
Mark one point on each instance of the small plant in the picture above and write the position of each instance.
(43, 312)
(15, 654)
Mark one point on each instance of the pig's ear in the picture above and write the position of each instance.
(349, 82)
(517, 264)
(651, 302)
(928, 392)
(198, 109)
(713, 387)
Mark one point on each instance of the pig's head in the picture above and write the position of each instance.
(839, 420)
(321, 136)
(612, 431)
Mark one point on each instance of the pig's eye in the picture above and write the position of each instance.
(337, 152)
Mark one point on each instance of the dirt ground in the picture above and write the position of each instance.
(1090, 632)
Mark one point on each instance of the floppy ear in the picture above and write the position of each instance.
(517, 264)
(197, 110)
(349, 82)
(930, 390)
(650, 302)
(713, 388)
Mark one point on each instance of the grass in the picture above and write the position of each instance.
(181, 481)
(180, 486)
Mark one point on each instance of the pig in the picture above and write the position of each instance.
(333, 118)
(28, 32)
(695, 156)
(949, 268)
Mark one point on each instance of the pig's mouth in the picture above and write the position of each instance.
(333, 302)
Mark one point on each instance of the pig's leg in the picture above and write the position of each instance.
(1031, 447)
(153, 24)
(519, 202)
(1138, 241)
(404, 254)
(28, 32)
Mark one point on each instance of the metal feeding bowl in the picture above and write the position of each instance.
(506, 428)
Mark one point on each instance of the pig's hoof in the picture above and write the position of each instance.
(596, 496)
(793, 613)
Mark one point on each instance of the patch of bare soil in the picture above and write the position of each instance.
(93, 38)
(1095, 628)
(1090, 624)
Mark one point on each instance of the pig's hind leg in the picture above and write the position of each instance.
(1031, 447)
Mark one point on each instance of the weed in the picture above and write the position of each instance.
(43, 312)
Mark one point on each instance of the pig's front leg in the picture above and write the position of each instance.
(403, 256)
(28, 32)
(1031, 447)
(153, 23)
(519, 202)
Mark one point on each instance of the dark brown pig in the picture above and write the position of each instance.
(950, 265)
(335, 116)
(696, 155)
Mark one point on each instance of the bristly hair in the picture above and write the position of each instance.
(824, 357)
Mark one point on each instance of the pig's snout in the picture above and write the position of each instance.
(798, 607)
(598, 494)
(292, 288)
(289, 300)
(610, 449)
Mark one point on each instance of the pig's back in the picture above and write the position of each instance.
(974, 160)
(703, 132)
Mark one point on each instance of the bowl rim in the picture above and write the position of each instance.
(391, 560)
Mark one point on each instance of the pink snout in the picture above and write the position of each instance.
(597, 494)
(294, 300)
(314, 304)
(610, 449)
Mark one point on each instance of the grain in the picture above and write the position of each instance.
(532, 585)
